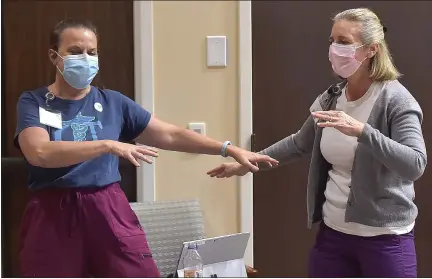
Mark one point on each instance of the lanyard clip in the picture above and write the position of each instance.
(49, 97)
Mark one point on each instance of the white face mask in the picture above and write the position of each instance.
(342, 58)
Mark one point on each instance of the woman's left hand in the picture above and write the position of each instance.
(249, 159)
(340, 121)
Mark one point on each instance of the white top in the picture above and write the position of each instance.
(339, 150)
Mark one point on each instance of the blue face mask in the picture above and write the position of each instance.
(79, 70)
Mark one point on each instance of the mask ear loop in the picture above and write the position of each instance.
(361, 62)
(58, 54)
(62, 59)
(56, 65)
(59, 70)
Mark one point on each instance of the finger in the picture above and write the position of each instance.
(132, 159)
(147, 160)
(218, 169)
(319, 112)
(321, 115)
(272, 160)
(154, 149)
(339, 113)
(216, 173)
(251, 166)
(222, 175)
(221, 167)
(328, 112)
(328, 115)
(149, 152)
(330, 124)
(140, 156)
(327, 118)
(332, 119)
(264, 159)
(336, 113)
(211, 173)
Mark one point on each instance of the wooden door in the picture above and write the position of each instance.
(25, 66)
(290, 69)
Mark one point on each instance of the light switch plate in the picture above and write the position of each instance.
(198, 127)
(216, 51)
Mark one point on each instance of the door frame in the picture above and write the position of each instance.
(144, 86)
(144, 95)
(246, 119)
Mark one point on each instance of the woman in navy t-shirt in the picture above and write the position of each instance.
(78, 222)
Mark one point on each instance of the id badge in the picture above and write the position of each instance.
(50, 118)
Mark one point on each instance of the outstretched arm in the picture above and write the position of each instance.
(294, 146)
(285, 151)
(170, 137)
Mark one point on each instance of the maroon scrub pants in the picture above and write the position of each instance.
(82, 232)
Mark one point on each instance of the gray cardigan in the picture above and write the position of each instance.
(390, 155)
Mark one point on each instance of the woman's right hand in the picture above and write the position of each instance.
(228, 170)
(133, 152)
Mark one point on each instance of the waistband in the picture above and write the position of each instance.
(61, 191)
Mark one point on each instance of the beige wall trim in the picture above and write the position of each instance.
(144, 86)
(245, 68)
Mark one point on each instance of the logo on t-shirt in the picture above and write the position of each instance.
(80, 126)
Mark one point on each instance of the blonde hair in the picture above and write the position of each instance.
(382, 67)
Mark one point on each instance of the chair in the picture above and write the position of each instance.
(167, 225)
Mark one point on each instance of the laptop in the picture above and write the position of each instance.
(222, 256)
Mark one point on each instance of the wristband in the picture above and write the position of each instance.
(224, 148)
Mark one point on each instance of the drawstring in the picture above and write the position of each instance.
(73, 202)
(62, 200)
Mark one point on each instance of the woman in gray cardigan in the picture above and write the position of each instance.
(367, 147)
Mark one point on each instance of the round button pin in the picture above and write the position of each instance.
(98, 107)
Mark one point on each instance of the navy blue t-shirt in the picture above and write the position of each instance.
(101, 115)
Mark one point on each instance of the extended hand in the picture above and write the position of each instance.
(228, 170)
(340, 121)
(250, 159)
(133, 152)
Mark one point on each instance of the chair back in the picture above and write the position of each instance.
(167, 225)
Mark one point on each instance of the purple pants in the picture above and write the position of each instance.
(338, 255)
(81, 233)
